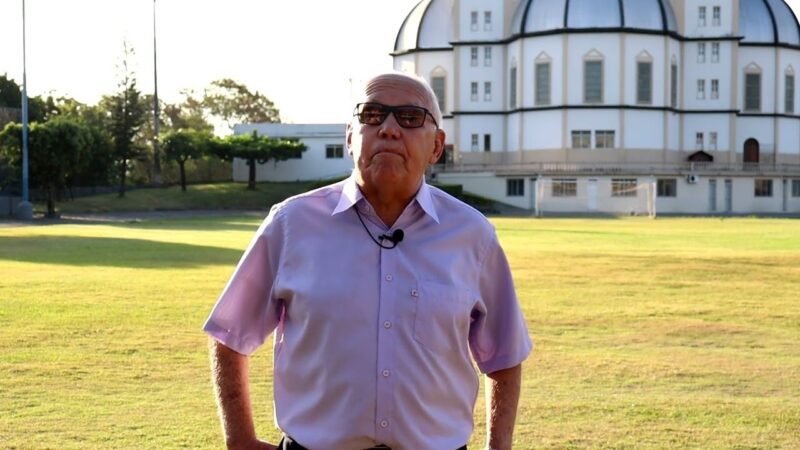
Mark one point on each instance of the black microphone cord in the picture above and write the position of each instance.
(395, 238)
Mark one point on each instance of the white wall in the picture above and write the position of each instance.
(481, 124)
(644, 130)
(764, 57)
(312, 165)
(551, 46)
(706, 123)
(542, 130)
(760, 128)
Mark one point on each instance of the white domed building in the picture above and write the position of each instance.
(618, 106)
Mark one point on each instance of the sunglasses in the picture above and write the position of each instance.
(407, 116)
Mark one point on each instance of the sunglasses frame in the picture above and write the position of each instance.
(393, 110)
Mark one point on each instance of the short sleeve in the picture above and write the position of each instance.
(246, 312)
(498, 335)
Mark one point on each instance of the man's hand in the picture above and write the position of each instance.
(231, 380)
(502, 396)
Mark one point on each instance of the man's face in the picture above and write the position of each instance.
(387, 155)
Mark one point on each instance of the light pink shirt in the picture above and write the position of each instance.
(372, 346)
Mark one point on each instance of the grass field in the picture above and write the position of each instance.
(667, 333)
(197, 196)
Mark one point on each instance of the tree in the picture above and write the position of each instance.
(232, 102)
(256, 149)
(186, 115)
(10, 92)
(126, 116)
(57, 153)
(182, 145)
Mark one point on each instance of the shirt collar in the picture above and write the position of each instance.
(351, 195)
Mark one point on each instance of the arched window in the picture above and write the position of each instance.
(593, 77)
(542, 72)
(512, 85)
(673, 83)
(439, 85)
(644, 78)
(788, 90)
(752, 88)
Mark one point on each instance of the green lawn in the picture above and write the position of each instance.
(667, 333)
(197, 196)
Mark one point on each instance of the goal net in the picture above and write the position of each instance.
(601, 195)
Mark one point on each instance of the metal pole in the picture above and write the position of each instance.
(25, 194)
(156, 121)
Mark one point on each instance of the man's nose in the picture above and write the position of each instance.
(389, 129)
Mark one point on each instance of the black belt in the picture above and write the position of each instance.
(288, 443)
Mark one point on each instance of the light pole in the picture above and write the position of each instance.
(25, 208)
(156, 124)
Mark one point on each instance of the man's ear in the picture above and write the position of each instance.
(348, 134)
(438, 146)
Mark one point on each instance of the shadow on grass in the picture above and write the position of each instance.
(113, 252)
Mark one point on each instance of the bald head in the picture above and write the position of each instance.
(416, 88)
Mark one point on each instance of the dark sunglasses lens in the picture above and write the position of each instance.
(410, 117)
(371, 114)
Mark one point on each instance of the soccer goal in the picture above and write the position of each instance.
(621, 195)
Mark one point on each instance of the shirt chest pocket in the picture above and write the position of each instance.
(442, 317)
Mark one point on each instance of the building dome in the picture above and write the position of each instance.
(429, 25)
(768, 22)
(542, 16)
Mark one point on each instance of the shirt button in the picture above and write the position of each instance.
(384, 423)
(387, 324)
(389, 277)
(385, 372)
(414, 293)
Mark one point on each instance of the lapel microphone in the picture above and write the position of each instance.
(395, 238)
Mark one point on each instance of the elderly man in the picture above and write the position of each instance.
(378, 289)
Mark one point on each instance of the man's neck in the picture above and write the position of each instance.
(389, 203)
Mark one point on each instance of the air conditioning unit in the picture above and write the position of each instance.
(692, 178)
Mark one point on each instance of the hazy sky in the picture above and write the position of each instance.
(299, 53)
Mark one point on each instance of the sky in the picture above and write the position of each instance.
(302, 54)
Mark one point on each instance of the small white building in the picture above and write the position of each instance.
(324, 158)
(620, 106)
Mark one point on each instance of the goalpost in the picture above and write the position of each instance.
(623, 195)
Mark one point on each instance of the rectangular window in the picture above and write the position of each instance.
(515, 187)
(487, 91)
(473, 89)
(565, 187)
(673, 87)
(604, 139)
(714, 52)
(715, 18)
(644, 83)
(788, 88)
(487, 21)
(623, 187)
(712, 140)
(512, 90)
(581, 139)
(763, 188)
(795, 188)
(752, 92)
(701, 16)
(701, 89)
(699, 141)
(487, 142)
(667, 187)
(475, 142)
(473, 53)
(334, 151)
(473, 20)
(543, 83)
(593, 82)
(701, 52)
(714, 88)
(487, 56)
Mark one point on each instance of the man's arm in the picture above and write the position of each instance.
(230, 377)
(502, 396)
